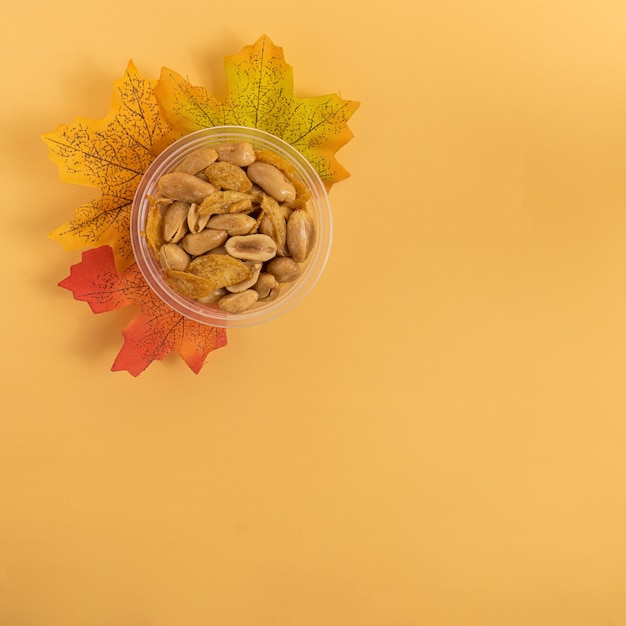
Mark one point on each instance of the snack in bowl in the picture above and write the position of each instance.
(231, 226)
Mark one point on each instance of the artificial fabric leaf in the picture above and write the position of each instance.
(110, 154)
(156, 331)
(260, 94)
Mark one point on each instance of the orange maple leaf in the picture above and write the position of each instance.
(260, 94)
(110, 154)
(156, 331)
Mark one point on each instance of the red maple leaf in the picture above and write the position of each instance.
(156, 331)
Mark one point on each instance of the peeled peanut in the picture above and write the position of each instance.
(272, 181)
(196, 222)
(175, 222)
(248, 282)
(184, 187)
(173, 257)
(199, 243)
(284, 269)
(239, 153)
(233, 223)
(264, 285)
(197, 161)
(251, 247)
(300, 235)
(238, 302)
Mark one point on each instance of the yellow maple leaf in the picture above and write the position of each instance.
(260, 94)
(110, 154)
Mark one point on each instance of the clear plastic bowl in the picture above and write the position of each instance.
(292, 293)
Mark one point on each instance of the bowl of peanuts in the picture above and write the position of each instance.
(231, 226)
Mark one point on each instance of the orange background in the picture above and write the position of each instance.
(436, 436)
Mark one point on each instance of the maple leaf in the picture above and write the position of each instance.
(110, 154)
(260, 94)
(152, 334)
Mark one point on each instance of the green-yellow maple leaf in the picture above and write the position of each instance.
(260, 94)
(110, 154)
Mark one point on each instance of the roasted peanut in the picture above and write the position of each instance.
(173, 257)
(238, 302)
(175, 222)
(284, 269)
(199, 243)
(196, 222)
(197, 161)
(184, 187)
(232, 223)
(264, 285)
(272, 181)
(239, 153)
(300, 235)
(303, 195)
(251, 247)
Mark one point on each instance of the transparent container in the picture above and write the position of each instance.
(292, 293)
